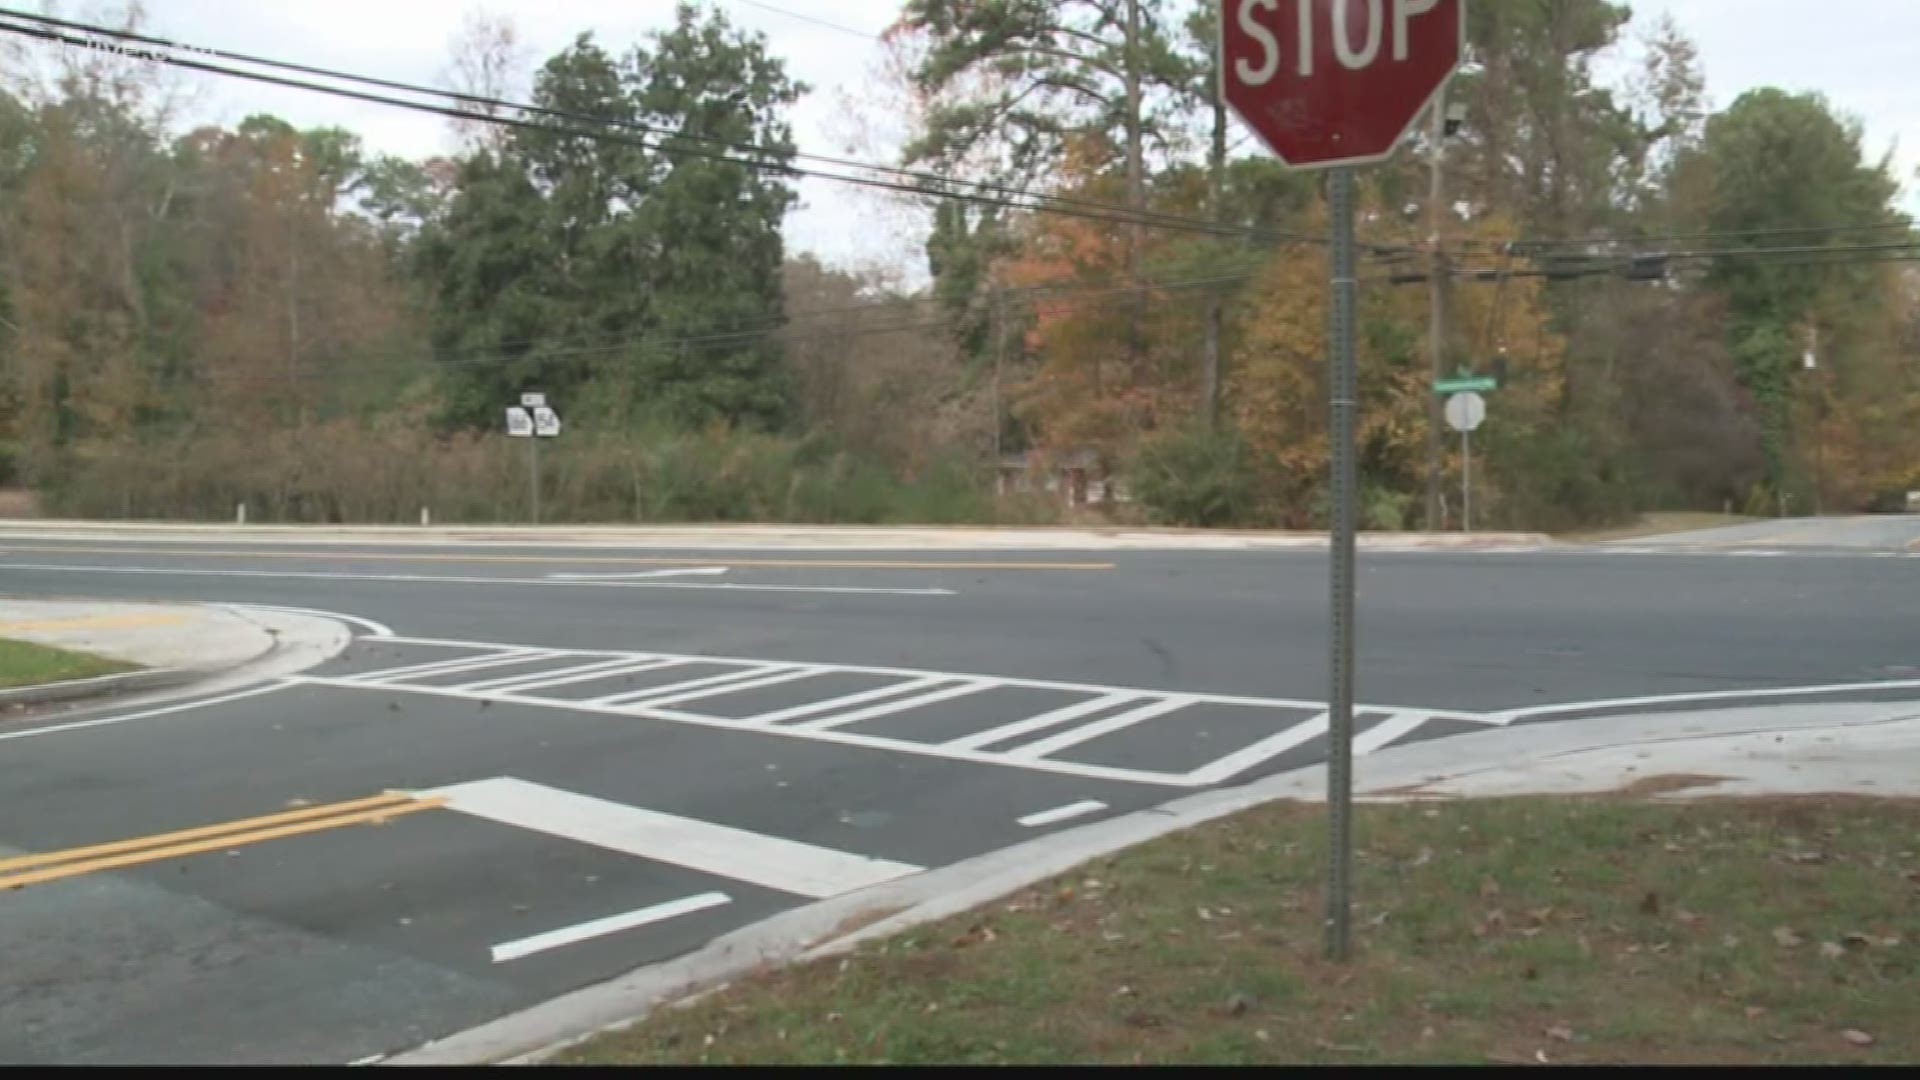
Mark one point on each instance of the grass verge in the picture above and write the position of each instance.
(1532, 930)
(23, 663)
(1659, 522)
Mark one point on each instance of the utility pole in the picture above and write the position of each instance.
(1436, 318)
(999, 355)
(1812, 361)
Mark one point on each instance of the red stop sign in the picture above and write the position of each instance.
(1336, 82)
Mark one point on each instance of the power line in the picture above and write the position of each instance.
(1043, 203)
(1785, 256)
(814, 19)
(1036, 301)
(1528, 244)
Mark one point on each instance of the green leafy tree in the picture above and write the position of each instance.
(1776, 161)
(1018, 86)
(568, 260)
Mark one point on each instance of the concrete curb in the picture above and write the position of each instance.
(125, 682)
(811, 932)
(294, 642)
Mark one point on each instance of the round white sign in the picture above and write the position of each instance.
(1466, 411)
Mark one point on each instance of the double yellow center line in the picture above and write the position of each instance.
(38, 869)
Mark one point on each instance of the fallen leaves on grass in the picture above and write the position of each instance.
(976, 935)
(1650, 904)
(1857, 1037)
(1786, 938)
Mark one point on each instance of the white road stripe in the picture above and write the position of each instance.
(1384, 732)
(500, 682)
(915, 673)
(463, 667)
(618, 668)
(844, 700)
(1513, 715)
(612, 924)
(792, 675)
(124, 717)
(376, 629)
(429, 666)
(626, 696)
(1272, 746)
(1062, 813)
(841, 738)
(1035, 723)
(691, 571)
(1103, 726)
(770, 861)
(449, 579)
(885, 708)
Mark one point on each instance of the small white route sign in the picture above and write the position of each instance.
(1466, 411)
(519, 422)
(532, 400)
(546, 422)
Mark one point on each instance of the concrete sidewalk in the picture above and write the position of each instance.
(1797, 750)
(173, 644)
(760, 537)
(205, 637)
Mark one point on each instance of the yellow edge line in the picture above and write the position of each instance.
(38, 877)
(719, 558)
(27, 862)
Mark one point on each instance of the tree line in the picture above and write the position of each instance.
(194, 316)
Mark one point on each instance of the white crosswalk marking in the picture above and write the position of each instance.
(770, 861)
(581, 674)
(808, 704)
(595, 670)
(1036, 723)
(1103, 726)
(730, 687)
(629, 696)
(889, 707)
(842, 702)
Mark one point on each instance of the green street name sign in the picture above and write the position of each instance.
(1461, 386)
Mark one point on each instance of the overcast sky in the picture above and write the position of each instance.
(1861, 53)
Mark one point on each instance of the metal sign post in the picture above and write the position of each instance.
(1333, 84)
(1466, 481)
(1466, 410)
(533, 477)
(532, 420)
(1341, 394)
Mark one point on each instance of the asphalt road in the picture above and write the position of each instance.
(608, 757)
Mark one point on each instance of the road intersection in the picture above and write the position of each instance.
(536, 768)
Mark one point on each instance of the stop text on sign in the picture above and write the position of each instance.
(1341, 17)
(1335, 82)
